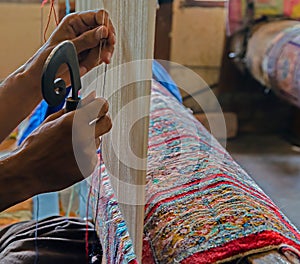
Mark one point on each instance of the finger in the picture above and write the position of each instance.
(54, 116)
(95, 58)
(91, 60)
(103, 126)
(90, 39)
(87, 45)
(96, 109)
(106, 52)
(82, 21)
(111, 32)
(102, 32)
(102, 18)
(88, 99)
(108, 48)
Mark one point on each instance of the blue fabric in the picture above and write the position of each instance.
(162, 76)
(35, 120)
(45, 205)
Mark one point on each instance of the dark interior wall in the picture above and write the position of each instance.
(163, 30)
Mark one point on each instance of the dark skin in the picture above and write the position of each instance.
(46, 160)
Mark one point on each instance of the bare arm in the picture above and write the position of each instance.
(15, 179)
(19, 97)
(62, 150)
(21, 91)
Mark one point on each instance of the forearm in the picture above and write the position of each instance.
(20, 93)
(15, 180)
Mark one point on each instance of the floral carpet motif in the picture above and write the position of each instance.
(202, 207)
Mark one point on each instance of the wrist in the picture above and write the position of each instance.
(16, 179)
(33, 69)
(27, 78)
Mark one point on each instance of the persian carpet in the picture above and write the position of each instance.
(202, 207)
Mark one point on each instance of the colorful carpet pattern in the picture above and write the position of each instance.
(281, 64)
(202, 207)
(111, 227)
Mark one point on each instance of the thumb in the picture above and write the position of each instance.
(54, 116)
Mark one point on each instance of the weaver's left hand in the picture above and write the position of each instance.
(90, 31)
(93, 35)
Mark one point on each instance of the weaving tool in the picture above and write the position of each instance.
(54, 90)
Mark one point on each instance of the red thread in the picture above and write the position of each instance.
(44, 2)
(54, 12)
(52, 8)
(87, 227)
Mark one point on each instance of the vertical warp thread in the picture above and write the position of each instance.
(102, 44)
(125, 13)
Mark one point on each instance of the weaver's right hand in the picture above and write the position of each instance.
(62, 151)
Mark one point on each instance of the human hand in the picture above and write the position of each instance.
(62, 151)
(93, 36)
(21, 91)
